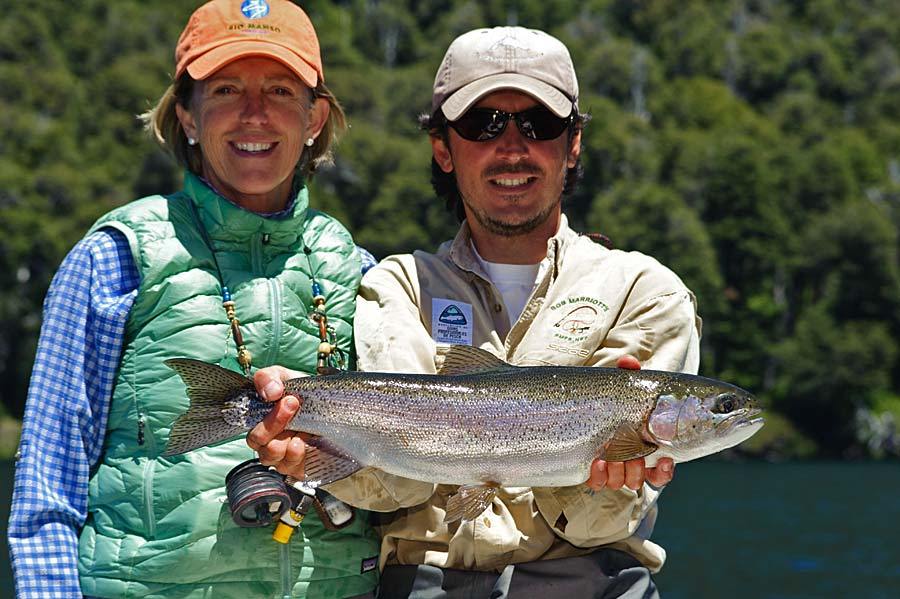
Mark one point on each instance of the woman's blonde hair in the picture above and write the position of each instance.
(162, 123)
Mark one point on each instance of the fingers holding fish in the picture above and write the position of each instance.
(286, 453)
(273, 424)
(661, 474)
(628, 362)
(615, 475)
(599, 475)
(631, 474)
(268, 438)
(269, 381)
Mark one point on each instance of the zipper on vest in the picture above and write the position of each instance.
(149, 517)
(256, 253)
(277, 319)
(284, 566)
(143, 438)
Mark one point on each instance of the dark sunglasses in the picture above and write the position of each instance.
(483, 124)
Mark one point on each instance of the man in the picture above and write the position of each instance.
(506, 137)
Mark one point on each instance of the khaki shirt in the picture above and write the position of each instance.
(591, 306)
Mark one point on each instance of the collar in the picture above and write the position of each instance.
(223, 219)
(461, 254)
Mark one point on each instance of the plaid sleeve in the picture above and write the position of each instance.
(78, 354)
(368, 260)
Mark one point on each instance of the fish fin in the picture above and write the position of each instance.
(328, 370)
(465, 359)
(326, 463)
(626, 444)
(469, 502)
(208, 386)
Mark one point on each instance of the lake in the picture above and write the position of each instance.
(751, 530)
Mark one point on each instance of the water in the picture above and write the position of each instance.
(779, 531)
(751, 530)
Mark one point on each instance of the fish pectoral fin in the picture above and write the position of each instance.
(465, 359)
(326, 463)
(469, 501)
(626, 444)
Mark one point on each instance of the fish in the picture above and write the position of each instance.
(479, 423)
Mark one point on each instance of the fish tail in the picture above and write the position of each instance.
(208, 387)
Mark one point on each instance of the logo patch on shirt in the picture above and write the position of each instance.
(452, 315)
(575, 318)
(368, 564)
(451, 321)
(578, 320)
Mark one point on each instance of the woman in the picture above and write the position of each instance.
(224, 271)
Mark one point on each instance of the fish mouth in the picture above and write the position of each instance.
(750, 417)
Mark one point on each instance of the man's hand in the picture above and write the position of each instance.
(633, 473)
(285, 450)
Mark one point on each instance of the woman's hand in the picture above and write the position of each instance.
(283, 449)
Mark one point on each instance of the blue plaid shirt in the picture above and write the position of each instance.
(75, 368)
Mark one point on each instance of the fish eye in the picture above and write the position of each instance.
(725, 404)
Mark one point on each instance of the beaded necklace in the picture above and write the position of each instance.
(329, 357)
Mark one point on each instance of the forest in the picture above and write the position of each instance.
(751, 145)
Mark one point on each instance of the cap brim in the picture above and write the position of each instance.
(463, 99)
(210, 62)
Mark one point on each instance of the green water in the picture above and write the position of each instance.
(751, 530)
(773, 531)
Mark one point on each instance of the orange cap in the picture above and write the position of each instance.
(222, 31)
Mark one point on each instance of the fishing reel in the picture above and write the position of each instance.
(259, 495)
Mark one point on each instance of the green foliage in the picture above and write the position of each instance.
(10, 431)
(833, 370)
(628, 211)
(753, 146)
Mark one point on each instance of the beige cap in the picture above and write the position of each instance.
(486, 60)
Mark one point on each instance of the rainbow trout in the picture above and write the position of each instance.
(479, 423)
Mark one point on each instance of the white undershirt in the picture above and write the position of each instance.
(515, 282)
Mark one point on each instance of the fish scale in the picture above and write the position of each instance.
(480, 422)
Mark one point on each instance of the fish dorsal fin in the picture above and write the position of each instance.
(465, 359)
(626, 444)
(328, 370)
(469, 501)
(326, 463)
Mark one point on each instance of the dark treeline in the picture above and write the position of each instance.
(753, 146)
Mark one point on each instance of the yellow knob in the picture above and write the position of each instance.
(283, 533)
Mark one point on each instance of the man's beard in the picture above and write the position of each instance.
(506, 229)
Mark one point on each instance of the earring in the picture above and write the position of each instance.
(310, 142)
(192, 141)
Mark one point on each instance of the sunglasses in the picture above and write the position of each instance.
(483, 124)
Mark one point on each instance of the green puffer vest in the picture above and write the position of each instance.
(160, 527)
